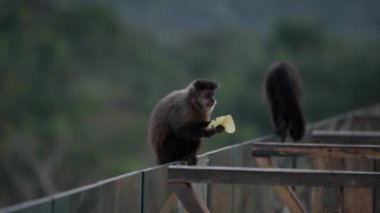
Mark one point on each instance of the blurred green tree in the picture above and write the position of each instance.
(77, 85)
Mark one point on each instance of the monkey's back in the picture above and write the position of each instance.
(169, 114)
(283, 76)
(164, 116)
(283, 89)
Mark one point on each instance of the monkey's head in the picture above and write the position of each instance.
(201, 94)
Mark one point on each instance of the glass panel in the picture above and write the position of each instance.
(304, 192)
(122, 193)
(252, 198)
(84, 199)
(156, 195)
(42, 205)
(202, 188)
(220, 195)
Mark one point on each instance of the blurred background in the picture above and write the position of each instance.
(78, 79)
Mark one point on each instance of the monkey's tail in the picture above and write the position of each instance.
(287, 94)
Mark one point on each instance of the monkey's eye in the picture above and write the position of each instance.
(209, 95)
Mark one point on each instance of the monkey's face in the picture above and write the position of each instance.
(201, 93)
(206, 99)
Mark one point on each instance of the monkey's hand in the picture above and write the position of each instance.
(196, 130)
(220, 128)
(212, 131)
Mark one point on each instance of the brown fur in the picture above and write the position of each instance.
(179, 120)
(283, 92)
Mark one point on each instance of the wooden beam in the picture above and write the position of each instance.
(260, 149)
(189, 199)
(168, 204)
(347, 137)
(260, 176)
(366, 122)
(286, 193)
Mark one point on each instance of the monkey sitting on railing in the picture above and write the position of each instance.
(180, 119)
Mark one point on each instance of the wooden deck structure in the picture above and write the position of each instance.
(345, 177)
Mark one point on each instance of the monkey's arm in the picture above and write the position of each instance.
(196, 130)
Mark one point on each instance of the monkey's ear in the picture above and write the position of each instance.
(192, 89)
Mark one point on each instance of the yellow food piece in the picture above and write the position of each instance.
(226, 121)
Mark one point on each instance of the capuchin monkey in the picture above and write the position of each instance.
(282, 88)
(179, 121)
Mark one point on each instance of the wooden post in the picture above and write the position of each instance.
(362, 199)
(188, 197)
(286, 193)
(377, 190)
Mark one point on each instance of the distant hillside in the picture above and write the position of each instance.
(350, 18)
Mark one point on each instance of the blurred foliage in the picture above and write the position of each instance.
(77, 85)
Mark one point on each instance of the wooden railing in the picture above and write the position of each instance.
(353, 145)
